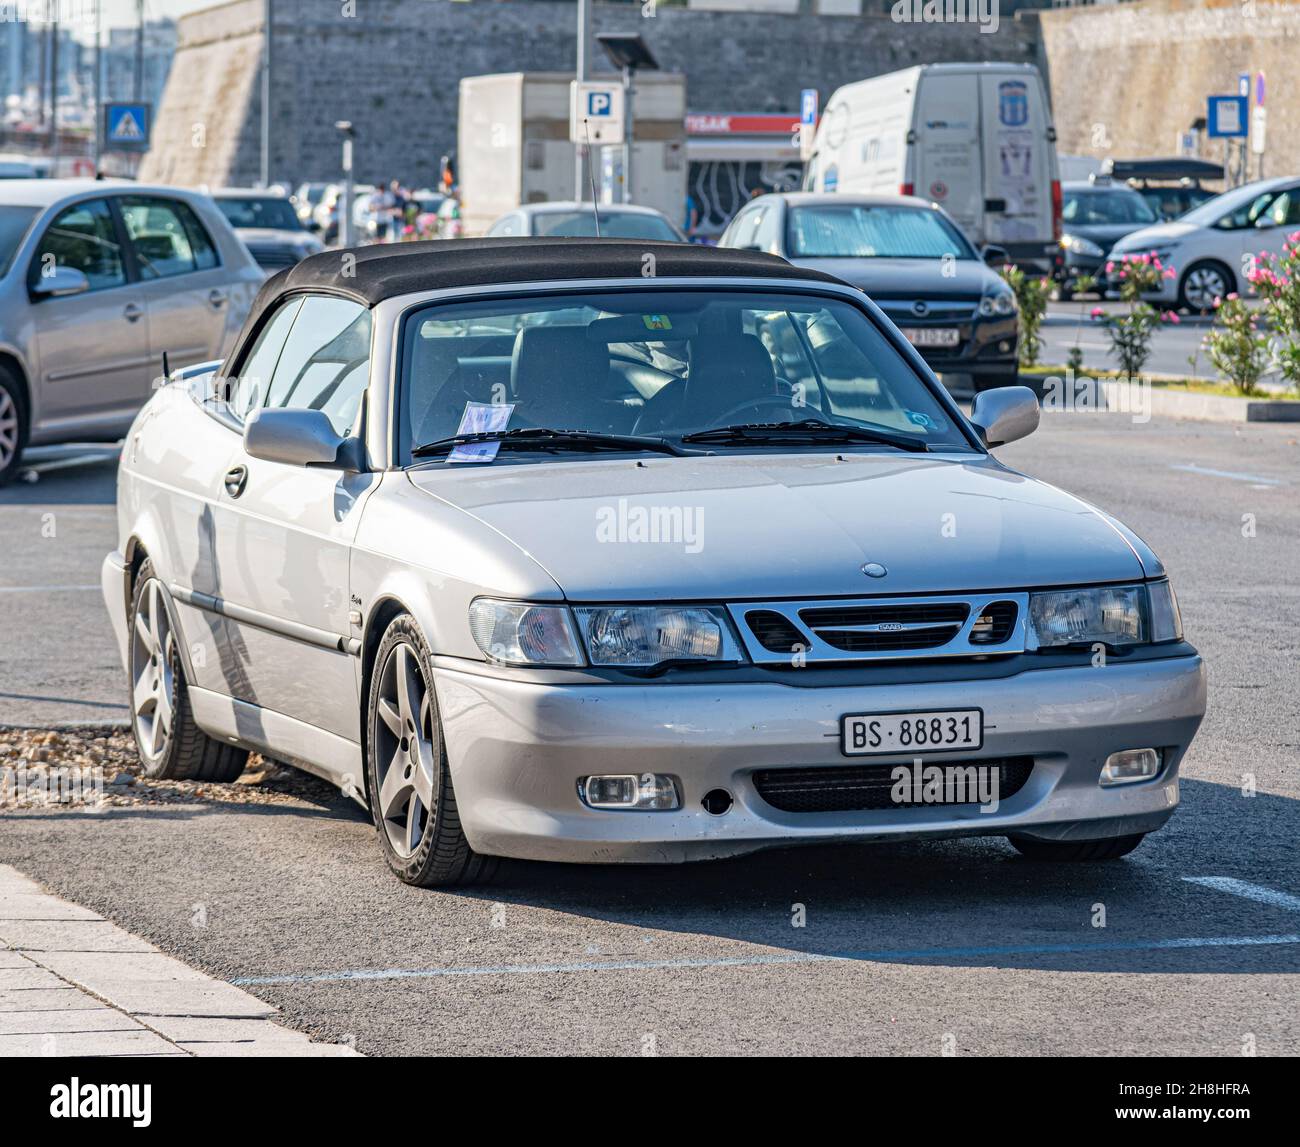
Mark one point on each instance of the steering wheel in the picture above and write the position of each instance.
(767, 401)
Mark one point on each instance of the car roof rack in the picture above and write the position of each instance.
(1172, 167)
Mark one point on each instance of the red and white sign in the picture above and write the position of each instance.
(721, 123)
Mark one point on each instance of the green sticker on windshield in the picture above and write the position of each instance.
(657, 322)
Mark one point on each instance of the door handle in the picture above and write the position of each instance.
(216, 298)
(132, 311)
(236, 479)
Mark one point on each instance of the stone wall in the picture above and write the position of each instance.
(1125, 80)
(394, 68)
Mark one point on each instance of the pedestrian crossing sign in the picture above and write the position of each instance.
(126, 125)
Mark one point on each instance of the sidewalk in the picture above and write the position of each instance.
(74, 984)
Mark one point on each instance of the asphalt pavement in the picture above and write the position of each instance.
(904, 949)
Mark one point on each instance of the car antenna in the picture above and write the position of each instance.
(591, 171)
(166, 369)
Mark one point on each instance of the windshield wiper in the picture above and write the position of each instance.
(544, 438)
(805, 430)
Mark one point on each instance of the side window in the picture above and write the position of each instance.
(163, 238)
(83, 238)
(325, 364)
(246, 391)
(765, 235)
(741, 231)
(509, 225)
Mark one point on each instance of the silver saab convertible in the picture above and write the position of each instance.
(595, 550)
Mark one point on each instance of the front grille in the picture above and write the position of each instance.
(994, 624)
(879, 627)
(950, 625)
(861, 788)
(774, 631)
(273, 255)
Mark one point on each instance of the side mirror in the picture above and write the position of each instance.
(1005, 414)
(996, 256)
(59, 282)
(295, 437)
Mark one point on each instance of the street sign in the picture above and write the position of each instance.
(596, 114)
(1227, 117)
(1258, 124)
(126, 126)
(1259, 87)
(1187, 144)
(1243, 84)
(808, 100)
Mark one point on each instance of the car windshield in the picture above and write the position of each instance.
(14, 222)
(613, 225)
(1233, 209)
(665, 363)
(260, 211)
(861, 231)
(1103, 208)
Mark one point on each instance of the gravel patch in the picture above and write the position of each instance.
(99, 766)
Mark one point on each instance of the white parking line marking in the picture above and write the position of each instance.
(769, 960)
(1250, 891)
(1235, 475)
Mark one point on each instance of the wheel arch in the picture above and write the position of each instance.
(382, 612)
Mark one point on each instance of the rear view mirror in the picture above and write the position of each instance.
(294, 437)
(59, 282)
(1005, 414)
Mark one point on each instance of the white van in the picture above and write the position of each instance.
(977, 139)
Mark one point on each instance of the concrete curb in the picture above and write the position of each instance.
(1121, 397)
(73, 983)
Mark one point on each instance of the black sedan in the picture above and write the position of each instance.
(911, 259)
(1094, 217)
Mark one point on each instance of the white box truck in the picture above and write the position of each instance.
(513, 144)
(977, 139)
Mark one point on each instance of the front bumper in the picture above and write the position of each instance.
(517, 747)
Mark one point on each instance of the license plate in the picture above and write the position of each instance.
(865, 734)
(932, 336)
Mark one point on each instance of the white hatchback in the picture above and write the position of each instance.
(1213, 246)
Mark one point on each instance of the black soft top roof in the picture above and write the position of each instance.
(385, 270)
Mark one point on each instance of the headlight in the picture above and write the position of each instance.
(1107, 615)
(517, 633)
(1003, 303)
(1078, 245)
(642, 636)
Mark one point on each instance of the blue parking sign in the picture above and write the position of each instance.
(126, 125)
(599, 103)
(1227, 117)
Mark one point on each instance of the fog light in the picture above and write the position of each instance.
(647, 791)
(1004, 346)
(1129, 766)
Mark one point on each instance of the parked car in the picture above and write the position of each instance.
(913, 261)
(542, 558)
(572, 220)
(97, 281)
(305, 200)
(1172, 186)
(1212, 246)
(1096, 215)
(268, 225)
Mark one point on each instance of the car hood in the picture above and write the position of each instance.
(910, 278)
(1161, 235)
(1103, 234)
(782, 525)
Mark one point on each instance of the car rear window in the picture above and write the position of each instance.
(861, 231)
(613, 225)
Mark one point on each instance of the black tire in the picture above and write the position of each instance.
(13, 425)
(1204, 266)
(1064, 294)
(188, 753)
(442, 856)
(1111, 848)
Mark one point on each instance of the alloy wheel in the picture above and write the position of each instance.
(152, 680)
(404, 750)
(8, 428)
(1203, 286)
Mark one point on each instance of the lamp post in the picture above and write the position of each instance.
(584, 66)
(345, 208)
(627, 52)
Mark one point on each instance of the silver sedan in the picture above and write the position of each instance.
(537, 555)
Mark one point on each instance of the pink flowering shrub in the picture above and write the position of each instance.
(1235, 346)
(1276, 279)
(1130, 334)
